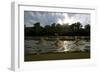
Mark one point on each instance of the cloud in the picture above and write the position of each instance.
(47, 18)
(82, 18)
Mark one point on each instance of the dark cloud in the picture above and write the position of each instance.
(47, 18)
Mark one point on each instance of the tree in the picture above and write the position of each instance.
(47, 30)
(37, 29)
(58, 29)
(53, 28)
(65, 29)
(78, 25)
(87, 29)
(75, 28)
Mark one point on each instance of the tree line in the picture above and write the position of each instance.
(75, 29)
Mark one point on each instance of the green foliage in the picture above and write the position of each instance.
(75, 29)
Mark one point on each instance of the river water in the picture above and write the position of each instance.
(33, 46)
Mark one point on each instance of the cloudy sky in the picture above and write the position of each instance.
(47, 18)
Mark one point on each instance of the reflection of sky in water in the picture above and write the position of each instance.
(31, 46)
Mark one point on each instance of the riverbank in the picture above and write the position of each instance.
(57, 56)
(55, 37)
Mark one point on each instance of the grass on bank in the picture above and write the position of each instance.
(56, 56)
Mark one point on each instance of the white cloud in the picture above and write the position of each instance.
(82, 18)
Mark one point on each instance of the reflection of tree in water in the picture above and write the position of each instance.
(45, 46)
(59, 44)
(42, 41)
